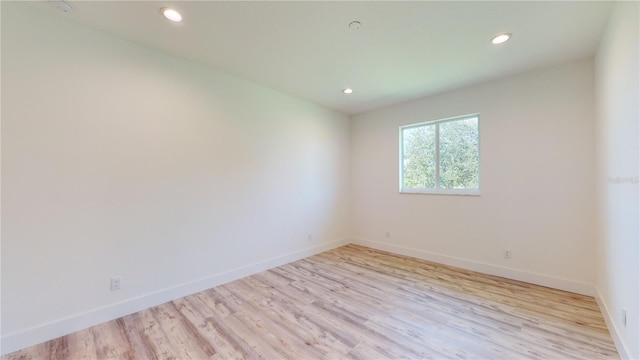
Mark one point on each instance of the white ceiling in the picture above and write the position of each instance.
(402, 51)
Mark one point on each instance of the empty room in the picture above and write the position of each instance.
(320, 180)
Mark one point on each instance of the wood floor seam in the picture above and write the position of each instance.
(352, 302)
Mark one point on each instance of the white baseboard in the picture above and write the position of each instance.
(623, 351)
(16, 341)
(510, 273)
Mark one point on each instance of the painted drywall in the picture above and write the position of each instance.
(617, 138)
(121, 160)
(0, 187)
(537, 187)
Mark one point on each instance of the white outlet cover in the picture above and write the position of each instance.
(116, 283)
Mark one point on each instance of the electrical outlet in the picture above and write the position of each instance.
(387, 234)
(506, 254)
(309, 237)
(116, 283)
(624, 317)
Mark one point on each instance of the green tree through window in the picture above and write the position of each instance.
(441, 156)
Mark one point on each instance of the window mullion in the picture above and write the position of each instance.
(402, 167)
(437, 156)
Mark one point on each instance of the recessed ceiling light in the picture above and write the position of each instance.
(501, 38)
(348, 91)
(171, 14)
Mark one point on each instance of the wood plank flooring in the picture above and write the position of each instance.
(352, 303)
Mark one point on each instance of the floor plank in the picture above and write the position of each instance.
(352, 303)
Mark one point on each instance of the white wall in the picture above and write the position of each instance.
(121, 160)
(618, 250)
(537, 166)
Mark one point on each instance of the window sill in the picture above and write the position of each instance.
(436, 192)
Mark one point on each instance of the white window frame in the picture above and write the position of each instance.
(437, 190)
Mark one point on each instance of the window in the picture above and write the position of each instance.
(441, 156)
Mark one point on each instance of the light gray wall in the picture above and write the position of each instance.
(537, 166)
(618, 117)
(120, 160)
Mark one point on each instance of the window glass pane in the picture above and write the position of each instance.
(459, 158)
(419, 157)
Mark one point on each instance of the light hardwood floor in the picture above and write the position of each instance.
(352, 302)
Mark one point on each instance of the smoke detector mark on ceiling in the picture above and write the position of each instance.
(61, 5)
(355, 25)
